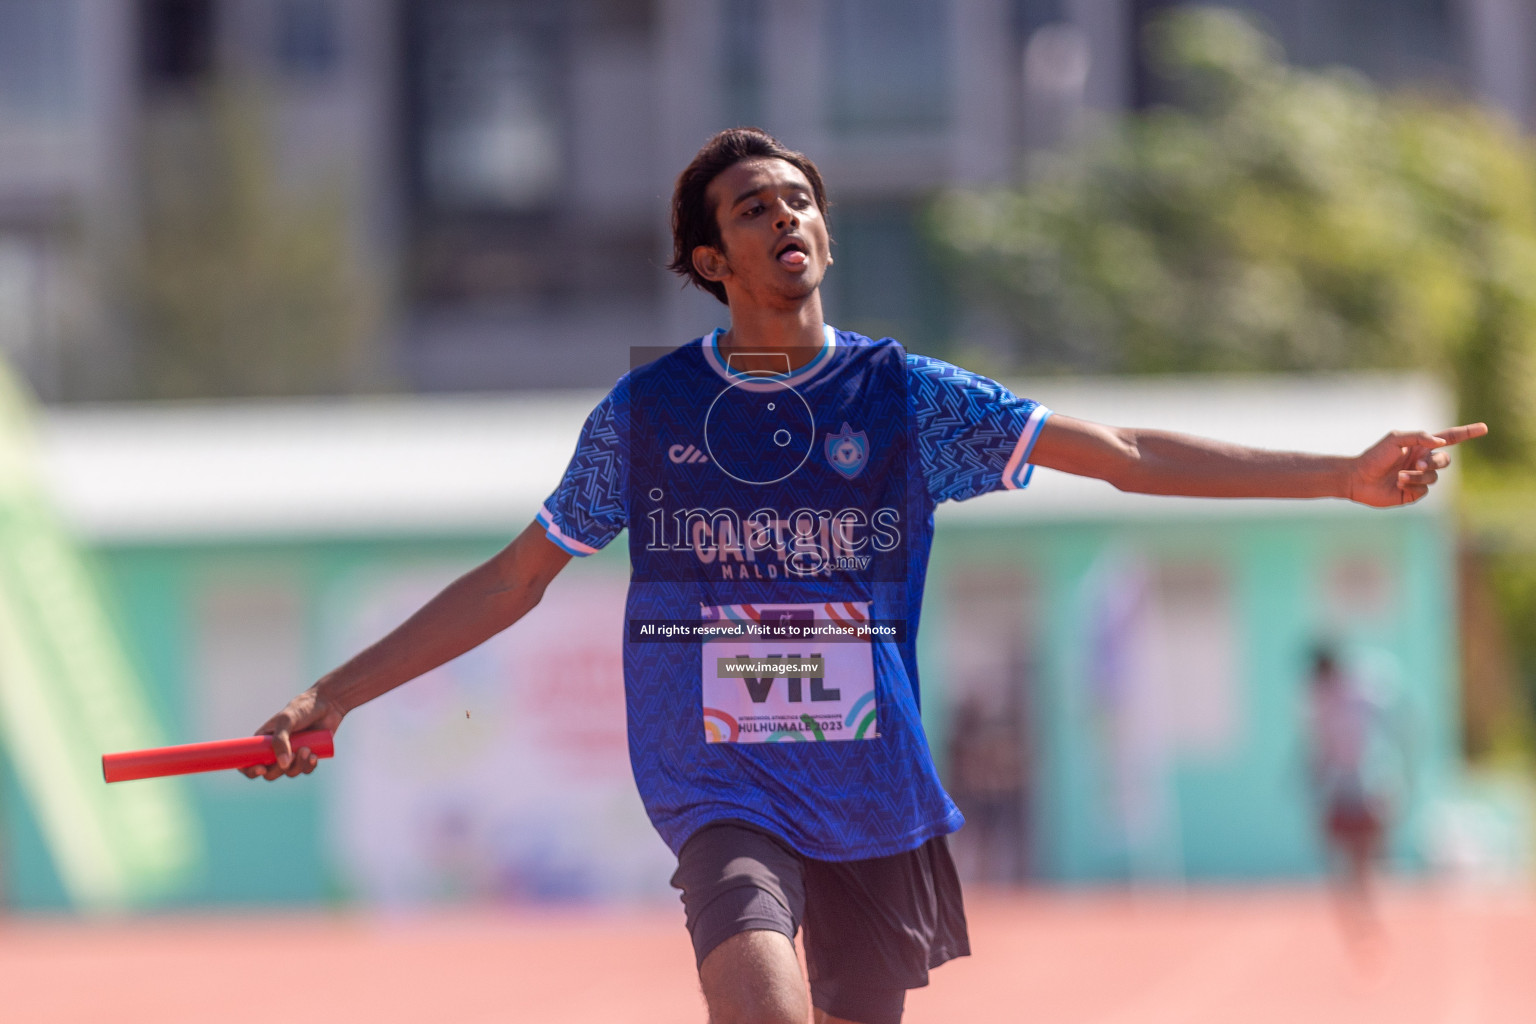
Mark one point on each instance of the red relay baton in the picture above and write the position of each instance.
(245, 752)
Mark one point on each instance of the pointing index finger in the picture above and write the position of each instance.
(1456, 435)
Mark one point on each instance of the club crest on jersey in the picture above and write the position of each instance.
(847, 451)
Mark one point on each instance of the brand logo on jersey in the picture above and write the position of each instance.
(847, 451)
(680, 454)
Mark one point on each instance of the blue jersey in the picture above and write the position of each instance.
(780, 526)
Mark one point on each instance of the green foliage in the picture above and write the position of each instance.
(1278, 218)
(244, 285)
(1513, 581)
(1275, 219)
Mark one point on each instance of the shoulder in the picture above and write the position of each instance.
(927, 375)
(854, 340)
(655, 373)
(854, 351)
(662, 363)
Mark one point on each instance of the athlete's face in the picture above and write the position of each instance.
(774, 245)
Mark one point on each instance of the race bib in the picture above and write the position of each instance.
(791, 673)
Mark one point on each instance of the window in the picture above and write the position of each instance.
(37, 58)
(742, 62)
(1390, 40)
(176, 41)
(884, 281)
(308, 38)
(888, 67)
(487, 104)
(21, 288)
(1029, 16)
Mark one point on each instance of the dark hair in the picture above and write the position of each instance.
(1325, 660)
(694, 223)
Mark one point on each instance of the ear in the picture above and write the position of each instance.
(710, 263)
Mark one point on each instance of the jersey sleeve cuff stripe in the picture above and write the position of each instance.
(1018, 471)
(570, 545)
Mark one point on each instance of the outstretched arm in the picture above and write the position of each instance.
(468, 612)
(1397, 470)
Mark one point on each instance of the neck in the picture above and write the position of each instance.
(778, 334)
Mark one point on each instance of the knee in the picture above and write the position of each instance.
(754, 978)
(762, 1004)
(798, 1013)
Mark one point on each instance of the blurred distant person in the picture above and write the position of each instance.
(987, 780)
(1357, 765)
(782, 474)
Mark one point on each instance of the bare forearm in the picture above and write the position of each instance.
(468, 612)
(1399, 469)
(1167, 463)
(1162, 462)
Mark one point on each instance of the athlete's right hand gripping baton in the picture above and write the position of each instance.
(246, 752)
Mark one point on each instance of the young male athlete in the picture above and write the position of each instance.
(778, 480)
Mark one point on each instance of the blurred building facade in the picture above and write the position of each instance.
(507, 163)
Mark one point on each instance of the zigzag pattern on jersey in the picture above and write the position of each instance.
(967, 426)
(588, 505)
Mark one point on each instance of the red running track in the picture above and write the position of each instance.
(1445, 957)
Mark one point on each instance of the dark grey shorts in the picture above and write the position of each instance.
(873, 928)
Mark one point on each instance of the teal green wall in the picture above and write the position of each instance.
(264, 843)
(1244, 817)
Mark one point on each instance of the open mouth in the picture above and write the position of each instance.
(792, 256)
